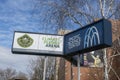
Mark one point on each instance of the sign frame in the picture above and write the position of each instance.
(50, 53)
(107, 39)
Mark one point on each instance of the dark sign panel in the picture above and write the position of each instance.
(91, 37)
(93, 59)
(90, 59)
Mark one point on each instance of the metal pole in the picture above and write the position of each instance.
(106, 65)
(71, 70)
(44, 73)
(78, 67)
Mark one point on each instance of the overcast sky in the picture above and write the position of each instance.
(15, 15)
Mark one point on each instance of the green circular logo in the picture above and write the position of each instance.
(25, 41)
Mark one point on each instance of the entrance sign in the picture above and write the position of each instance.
(91, 37)
(37, 44)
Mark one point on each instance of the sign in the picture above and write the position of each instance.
(94, 59)
(90, 59)
(86, 39)
(37, 44)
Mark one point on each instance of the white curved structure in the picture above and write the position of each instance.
(91, 37)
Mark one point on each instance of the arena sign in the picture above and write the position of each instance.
(94, 36)
(37, 44)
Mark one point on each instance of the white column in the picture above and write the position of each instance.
(44, 73)
(105, 65)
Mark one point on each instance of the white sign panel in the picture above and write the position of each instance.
(41, 44)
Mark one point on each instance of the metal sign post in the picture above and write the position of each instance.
(71, 70)
(78, 67)
(44, 73)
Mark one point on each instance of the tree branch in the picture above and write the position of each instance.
(115, 73)
(110, 7)
(101, 8)
(113, 13)
(74, 19)
(104, 6)
(115, 55)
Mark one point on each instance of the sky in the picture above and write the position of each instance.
(15, 15)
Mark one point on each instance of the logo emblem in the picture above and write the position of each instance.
(91, 37)
(25, 41)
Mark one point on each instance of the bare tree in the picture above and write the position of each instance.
(36, 67)
(113, 61)
(7, 74)
(65, 14)
(21, 75)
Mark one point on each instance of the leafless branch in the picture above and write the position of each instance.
(110, 7)
(115, 55)
(110, 62)
(75, 20)
(115, 73)
(117, 9)
(104, 2)
(90, 9)
(84, 13)
(101, 8)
